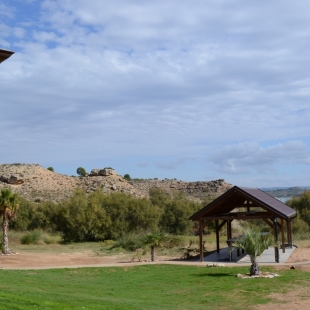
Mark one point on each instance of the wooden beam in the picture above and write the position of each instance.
(268, 222)
(205, 223)
(222, 224)
(247, 217)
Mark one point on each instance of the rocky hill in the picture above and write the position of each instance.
(194, 190)
(36, 183)
(289, 192)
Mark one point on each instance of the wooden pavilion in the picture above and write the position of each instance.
(241, 203)
(4, 54)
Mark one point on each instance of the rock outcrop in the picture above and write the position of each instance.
(198, 190)
(102, 172)
(36, 183)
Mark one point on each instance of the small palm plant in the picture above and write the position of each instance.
(156, 240)
(254, 242)
(8, 206)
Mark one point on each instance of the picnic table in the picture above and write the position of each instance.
(229, 243)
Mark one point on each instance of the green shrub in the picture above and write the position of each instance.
(51, 239)
(129, 242)
(81, 171)
(127, 177)
(108, 242)
(33, 237)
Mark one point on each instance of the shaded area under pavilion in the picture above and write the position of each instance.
(241, 203)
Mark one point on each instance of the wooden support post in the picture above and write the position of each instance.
(282, 236)
(289, 232)
(276, 249)
(227, 230)
(217, 231)
(230, 233)
(201, 240)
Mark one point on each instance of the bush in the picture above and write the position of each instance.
(50, 169)
(127, 177)
(129, 242)
(37, 237)
(51, 239)
(32, 237)
(81, 171)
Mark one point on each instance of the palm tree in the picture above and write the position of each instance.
(155, 240)
(8, 206)
(254, 242)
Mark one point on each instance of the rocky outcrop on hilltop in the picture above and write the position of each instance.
(35, 183)
(200, 189)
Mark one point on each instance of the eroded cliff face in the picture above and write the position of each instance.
(36, 183)
(195, 190)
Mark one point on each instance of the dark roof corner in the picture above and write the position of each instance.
(5, 54)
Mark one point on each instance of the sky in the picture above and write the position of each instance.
(194, 90)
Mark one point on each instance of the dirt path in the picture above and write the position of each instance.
(25, 260)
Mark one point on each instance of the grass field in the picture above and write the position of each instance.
(141, 287)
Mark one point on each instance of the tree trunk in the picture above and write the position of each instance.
(254, 270)
(152, 253)
(5, 226)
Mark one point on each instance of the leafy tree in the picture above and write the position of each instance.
(8, 205)
(81, 171)
(302, 205)
(50, 169)
(129, 214)
(127, 177)
(175, 211)
(254, 242)
(82, 218)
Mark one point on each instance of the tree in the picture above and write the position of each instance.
(50, 169)
(81, 171)
(155, 240)
(8, 204)
(302, 205)
(127, 177)
(254, 242)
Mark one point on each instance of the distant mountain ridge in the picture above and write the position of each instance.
(285, 192)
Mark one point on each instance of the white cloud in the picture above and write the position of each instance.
(250, 156)
(166, 79)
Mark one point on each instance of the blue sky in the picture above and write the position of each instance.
(197, 90)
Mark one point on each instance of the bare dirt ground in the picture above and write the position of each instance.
(292, 300)
(25, 260)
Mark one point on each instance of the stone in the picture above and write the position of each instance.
(106, 172)
(94, 172)
(15, 179)
(5, 178)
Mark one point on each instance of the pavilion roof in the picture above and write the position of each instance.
(240, 197)
(4, 54)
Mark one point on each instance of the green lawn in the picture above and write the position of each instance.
(140, 287)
